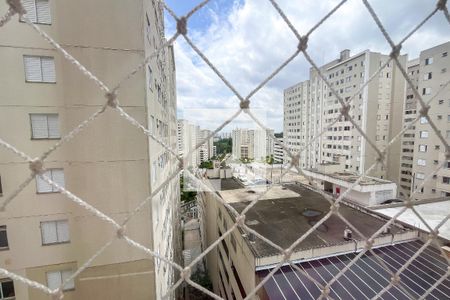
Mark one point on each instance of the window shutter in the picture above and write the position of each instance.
(32, 68)
(65, 275)
(63, 231)
(58, 178)
(53, 126)
(43, 12)
(48, 69)
(43, 186)
(49, 233)
(30, 7)
(39, 127)
(54, 280)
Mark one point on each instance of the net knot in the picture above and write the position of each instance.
(369, 244)
(303, 43)
(295, 160)
(182, 26)
(245, 104)
(112, 99)
(287, 254)
(57, 294)
(36, 166)
(424, 111)
(345, 109)
(16, 6)
(120, 232)
(240, 220)
(325, 292)
(395, 280)
(433, 235)
(441, 4)
(381, 157)
(409, 204)
(334, 208)
(186, 273)
(395, 51)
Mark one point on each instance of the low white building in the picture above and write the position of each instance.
(368, 192)
(278, 152)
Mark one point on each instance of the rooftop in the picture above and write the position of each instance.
(433, 213)
(366, 278)
(293, 209)
(351, 178)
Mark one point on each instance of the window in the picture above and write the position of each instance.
(39, 69)
(420, 175)
(423, 148)
(55, 232)
(56, 278)
(444, 54)
(445, 180)
(423, 120)
(426, 91)
(4, 245)
(150, 78)
(38, 11)
(423, 134)
(421, 162)
(7, 289)
(428, 61)
(56, 175)
(44, 126)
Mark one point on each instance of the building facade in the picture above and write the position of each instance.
(311, 108)
(429, 153)
(407, 140)
(111, 164)
(278, 152)
(250, 144)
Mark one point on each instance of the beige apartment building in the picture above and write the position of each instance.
(429, 153)
(111, 165)
(407, 140)
(310, 107)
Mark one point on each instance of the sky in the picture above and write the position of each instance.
(247, 40)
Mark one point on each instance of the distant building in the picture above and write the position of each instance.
(278, 152)
(188, 137)
(250, 144)
(241, 260)
(310, 107)
(429, 153)
(410, 112)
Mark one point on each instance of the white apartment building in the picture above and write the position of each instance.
(188, 137)
(111, 165)
(249, 144)
(310, 107)
(429, 153)
(278, 152)
(206, 150)
(407, 141)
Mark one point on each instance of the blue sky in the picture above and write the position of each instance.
(246, 40)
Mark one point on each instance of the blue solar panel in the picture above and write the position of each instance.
(366, 278)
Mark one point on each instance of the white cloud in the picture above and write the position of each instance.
(251, 40)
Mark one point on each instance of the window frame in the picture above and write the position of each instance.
(58, 242)
(5, 229)
(48, 129)
(61, 278)
(54, 190)
(36, 14)
(2, 297)
(40, 62)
